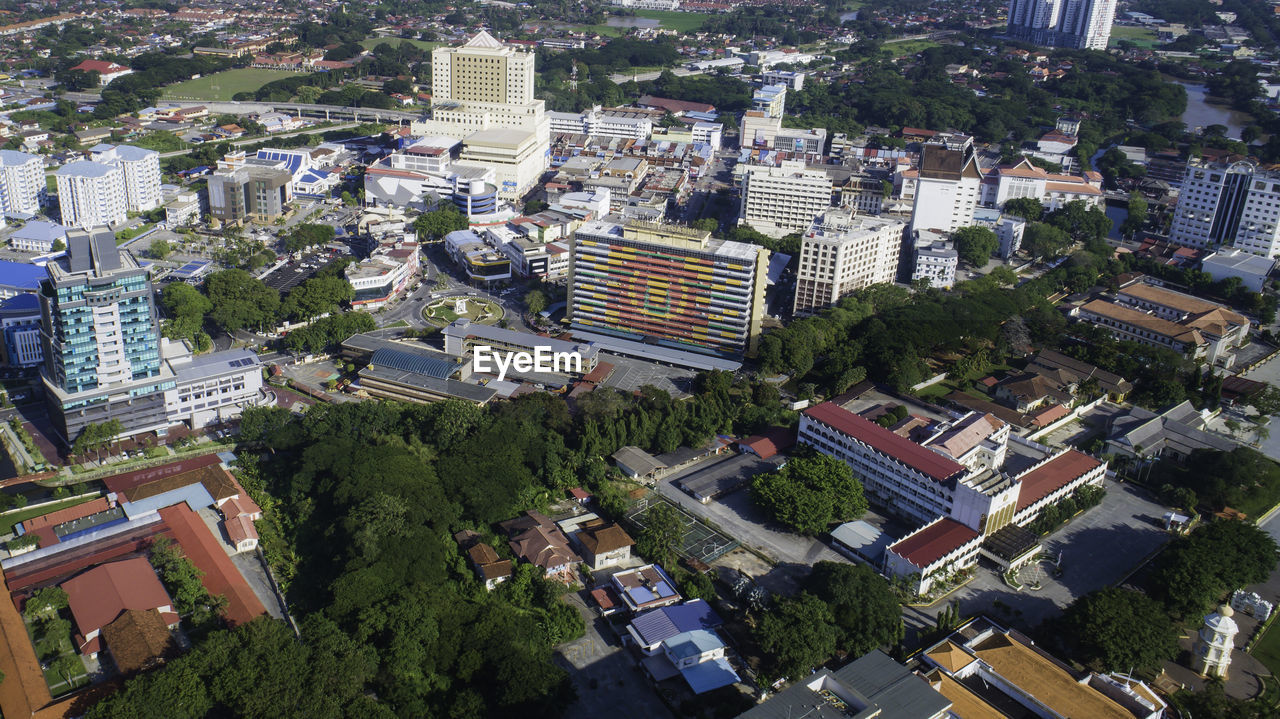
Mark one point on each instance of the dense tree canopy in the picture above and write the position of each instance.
(241, 301)
(975, 244)
(1119, 630)
(865, 610)
(809, 493)
(1195, 572)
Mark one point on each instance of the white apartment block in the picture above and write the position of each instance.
(1080, 24)
(770, 100)
(947, 187)
(141, 168)
(211, 388)
(935, 260)
(22, 183)
(482, 70)
(596, 122)
(780, 200)
(647, 4)
(1236, 205)
(948, 478)
(91, 194)
(843, 252)
(793, 80)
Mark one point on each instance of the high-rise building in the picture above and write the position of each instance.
(484, 86)
(91, 194)
(104, 358)
(1080, 24)
(667, 285)
(770, 100)
(141, 168)
(257, 190)
(781, 200)
(948, 187)
(843, 252)
(22, 183)
(1236, 204)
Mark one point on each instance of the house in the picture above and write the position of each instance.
(99, 596)
(646, 587)
(107, 71)
(637, 463)
(699, 657)
(1029, 392)
(488, 567)
(1070, 371)
(1176, 432)
(538, 541)
(238, 515)
(768, 443)
(650, 629)
(606, 545)
(873, 685)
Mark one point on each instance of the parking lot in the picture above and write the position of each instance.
(1098, 549)
(632, 374)
(295, 273)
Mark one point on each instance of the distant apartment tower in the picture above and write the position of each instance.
(947, 189)
(1235, 204)
(1079, 24)
(91, 194)
(141, 170)
(667, 285)
(781, 200)
(843, 252)
(770, 100)
(22, 183)
(250, 192)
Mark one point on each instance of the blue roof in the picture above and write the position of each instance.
(195, 495)
(21, 275)
(710, 675)
(313, 176)
(291, 160)
(657, 625)
(26, 301)
(192, 268)
(412, 362)
(692, 643)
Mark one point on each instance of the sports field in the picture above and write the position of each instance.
(1140, 36)
(678, 21)
(223, 85)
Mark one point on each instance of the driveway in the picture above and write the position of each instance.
(608, 682)
(1099, 548)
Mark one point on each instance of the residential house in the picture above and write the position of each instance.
(605, 545)
(650, 629)
(646, 587)
(537, 540)
(699, 657)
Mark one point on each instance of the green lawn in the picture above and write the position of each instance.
(678, 21)
(7, 521)
(223, 85)
(903, 48)
(370, 43)
(1140, 36)
(1267, 649)
(606, 30)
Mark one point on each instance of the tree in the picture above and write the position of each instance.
(1119, 630)
(58, 245)
(305, 236)
(317, 296)
(159, 249)
(1082, 222)
(1042, 240)
(865, 610)
(1196, 571)
(1028, 208)
(1137, 218)
(48, 600)
(241, 301)
(798, 635)
(661, 534)
(436, 224)
(809, 493)
(706, 224)
(535, 301)
(533, 207)
(975, 244)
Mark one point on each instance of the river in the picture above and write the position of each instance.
(1202, 114)
(642, 22)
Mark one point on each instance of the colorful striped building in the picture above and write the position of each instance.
(669, 285)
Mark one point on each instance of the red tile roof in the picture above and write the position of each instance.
(52, 519)
(121, 483)
(220, 575)
(101, 594)
(100, 67)
(934, 542)
(925, 461)
(770, 442)
(1052, 475)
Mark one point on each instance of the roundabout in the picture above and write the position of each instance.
(441, 312)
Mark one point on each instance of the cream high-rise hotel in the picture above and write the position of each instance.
(482, 94)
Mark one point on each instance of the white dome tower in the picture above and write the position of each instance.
(1212, 653)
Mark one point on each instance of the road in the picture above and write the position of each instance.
(269, 138)
(292, 108)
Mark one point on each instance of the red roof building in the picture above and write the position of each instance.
(107, 71)
(220, 574)
(769, 442)
(675, 107)
(97, 597)
(1067, 469)
(933, 542)
(925, 461)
